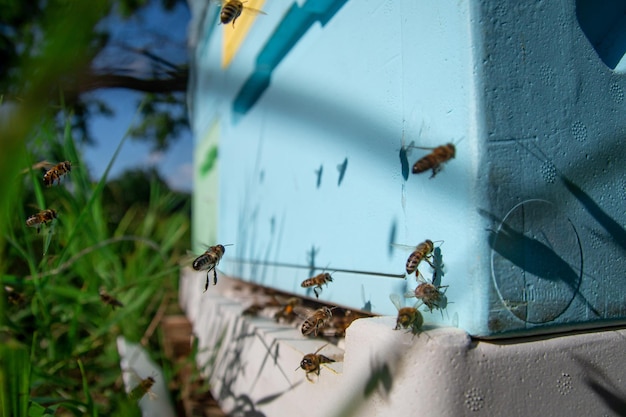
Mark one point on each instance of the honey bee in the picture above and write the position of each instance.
(56, 172)
(142, 389)
(109, 299)
(208, 261)
(13, 296)
(408, 317)
(253, 310)
(422, 252)
(431, 295)
(316, 321)
(317, 281)
(287, 312)
(311, 363)
(43, 217)
(435, 159)
(231, 10)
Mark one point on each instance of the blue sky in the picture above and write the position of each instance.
(166, 33)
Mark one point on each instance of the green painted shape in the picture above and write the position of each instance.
(210, 159)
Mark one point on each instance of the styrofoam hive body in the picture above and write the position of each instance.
(303, 156)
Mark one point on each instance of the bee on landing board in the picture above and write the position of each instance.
(208, 261)
(56, 172)
(435, 159)
(317, 281)
(316, 321)
(232, 9)
(287, 312)
(311, 363)
(109, 299)
(42, 218)
(408, 317)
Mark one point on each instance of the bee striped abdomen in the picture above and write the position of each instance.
(231, 11)
(433, 160)
(421, 253)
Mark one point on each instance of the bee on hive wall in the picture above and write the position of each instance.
(422, 252)
(316, 321)
(317, 281)
(232, 9)
(430, 294)
(435, 160)
(56, 172)
(42, 218)
(311, 363)
(408, 317)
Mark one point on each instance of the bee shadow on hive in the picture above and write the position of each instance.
(537, 258)
(588, 164)
(380, 380)
(596, 379)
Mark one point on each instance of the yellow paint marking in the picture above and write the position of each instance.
(234, 37)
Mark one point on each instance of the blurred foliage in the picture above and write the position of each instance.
(58, 351)
(29, 28)
(127, 235)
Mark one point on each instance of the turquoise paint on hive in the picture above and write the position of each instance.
(295, 24)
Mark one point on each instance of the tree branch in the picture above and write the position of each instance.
(176, 83)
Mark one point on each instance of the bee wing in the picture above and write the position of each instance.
(38, 166)
(396, 300)
(421, 147)
(303, 312)
(251, 11)
(401, 246)
(187, 258)
(420, 278)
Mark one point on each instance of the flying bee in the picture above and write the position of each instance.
(14, 297)
(43, 217)
(316, 321)
(408, 317)
(142, 389)
(109, 299)
(208, 261)
(435, 159)
(287, 312)
(422, 252)
(56, 172)
(231, 10)
(311, 362)
(316, 282)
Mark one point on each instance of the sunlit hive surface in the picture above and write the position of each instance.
(307, 138)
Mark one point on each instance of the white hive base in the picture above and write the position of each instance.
(250, 362)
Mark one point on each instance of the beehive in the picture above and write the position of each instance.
(308, 124)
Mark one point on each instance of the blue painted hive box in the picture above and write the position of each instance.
(309, 119)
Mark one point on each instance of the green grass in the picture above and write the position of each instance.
(58, 352)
